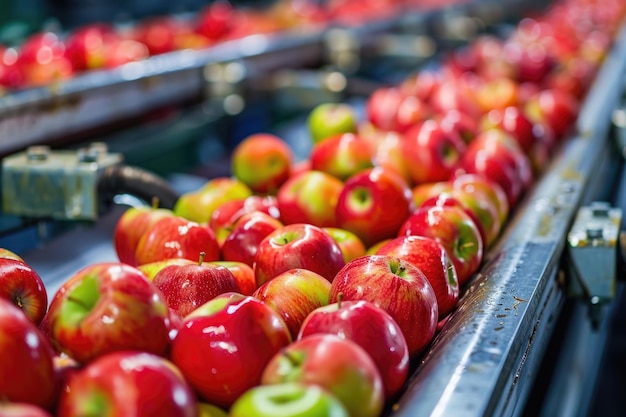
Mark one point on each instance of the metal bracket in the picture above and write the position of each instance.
(593, 256)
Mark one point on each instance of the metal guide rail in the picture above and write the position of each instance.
(484, 361)
(99, 99)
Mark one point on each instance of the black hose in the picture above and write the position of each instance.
(138, 182)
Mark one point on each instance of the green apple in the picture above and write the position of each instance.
(329, 119)
(289, 399)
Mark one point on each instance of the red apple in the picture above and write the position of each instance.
(14, 409)
(243, 273)
(120, 51)
(22, 285)
(455, 230)
(186, 287)
(331, 119)
(557, 108)
(216, 19)
(396, 286)
(225, 344)
(389, 154)
(373, 204)
(342, 155)
(85, 46)
(42, 59)
(131, 225)
(463, 124)
(513, 121)
(26, 359)
(499, 94)
(373, 329)
(263, 162)
(433, 152)
(426, 190)
(485, 189)
(294, 294)
(297, 245)
(226, 214)
(128, 383)
(152, 268)
(391, 109)
(350, 244)
(457, 93)
(309, 197)
(338, 365)
(242, 243)
(106, 307)
(176, 237)
(432, 259)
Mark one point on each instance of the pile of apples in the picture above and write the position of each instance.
(309, 287)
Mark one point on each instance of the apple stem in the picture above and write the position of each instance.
(339, 299)
(201, 259)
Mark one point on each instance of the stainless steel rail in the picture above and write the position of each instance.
(484, 361)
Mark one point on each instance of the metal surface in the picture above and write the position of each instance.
(485, 359)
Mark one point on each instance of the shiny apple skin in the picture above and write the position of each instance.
(22, 285)
(396, 286)
(242, 243)
(128, 383)
(176, 237)
(26, 360)
(130, 313)
(222, 353)
(373, 329)
(298, 245)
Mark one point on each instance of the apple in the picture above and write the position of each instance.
(226, 214)
(243, 273)
(342, 155)
(131, 225)
(288, 399)
(350, 244)
(186, 287)
(150, 269)
(176, 237)
(455, 230)
(373, 329)
(331, 119)
(26, 360)
(294, 294)
(309, 197)
(338, 365)
(128, 383)
(513, 121)
(13, 409)
(247, 232)
(497, 94)
(198, 205)
(373, 204)
(457, 92)
(433, 152)
(22, 285)
(224, 345)
(215, 20)
(432, 259)
(11, 75)
(389, 154)
(209, 410)
(463, 124)
(85, 46)
(158, 34)
(421, 83)
(391, 109)
(42, 59)
(263, 162)
(396, 286)
(424, 191)
(106, 307)
(298, 245)
(120, 51)
(557, 108)
(490, 192)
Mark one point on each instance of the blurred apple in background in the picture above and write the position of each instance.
(373, 204)
(42, 61)
(497, 94)
(391, 109)
(287, 399)
(373, 329)
(396, 286)
(128, 383)
(389, 153)
(216, 19)
(455, 230)
(176, 237)
(342, 155)
(350, 244)
(227, 213)
(131, 225)
(11, 76)
(294, 294)
(187, 287)
(338, 365)
(106, 307)
(433, 153)
(309, 197)
(556, 108)
(224, 345)
(13, 409)
(243, 273)
(298, 245)
(199, 205)
(85, 46)
(22, 285)
(26, 364)
(463, 124)
(331, 119)
(242, 243)
(432, 259)
(263, 162)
